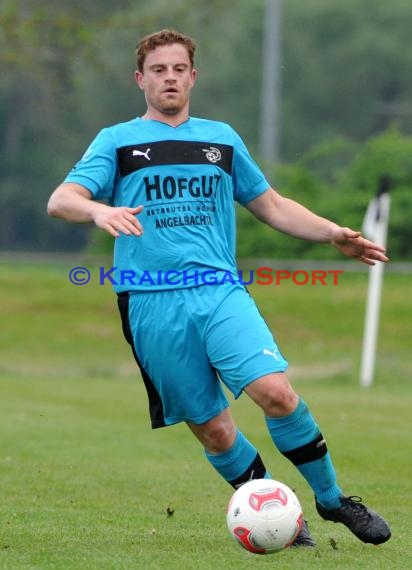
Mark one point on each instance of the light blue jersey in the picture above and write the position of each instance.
(187, 178)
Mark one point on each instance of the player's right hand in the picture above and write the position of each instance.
(117, 220)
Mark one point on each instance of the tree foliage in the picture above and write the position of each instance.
(337, 182)
(346, 70)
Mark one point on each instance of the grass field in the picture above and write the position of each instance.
(86, 484)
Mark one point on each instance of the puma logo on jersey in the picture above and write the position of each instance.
(140, 153)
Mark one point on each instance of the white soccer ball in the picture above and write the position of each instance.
(264, 516)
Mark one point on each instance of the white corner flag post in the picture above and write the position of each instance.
(375, 227)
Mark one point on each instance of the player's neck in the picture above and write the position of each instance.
(171, 120)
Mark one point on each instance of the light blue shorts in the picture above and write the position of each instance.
(187, 340)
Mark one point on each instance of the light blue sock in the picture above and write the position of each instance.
(240, 463)
(298, 438)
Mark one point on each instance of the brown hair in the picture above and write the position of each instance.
(163, 38)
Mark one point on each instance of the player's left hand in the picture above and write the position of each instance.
(353, 244)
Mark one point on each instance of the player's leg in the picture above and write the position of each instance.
(228, 450)
(297, 436)
(240, 461)
(182, 386)
(236, 459)
(250, 361)
(241, 347)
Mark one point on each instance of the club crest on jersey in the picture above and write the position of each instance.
(213, 154)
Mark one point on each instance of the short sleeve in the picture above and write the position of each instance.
(248, 179)
(97, 169)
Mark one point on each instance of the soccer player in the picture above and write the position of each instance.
(164, 185)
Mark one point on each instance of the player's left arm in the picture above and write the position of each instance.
(290, 217)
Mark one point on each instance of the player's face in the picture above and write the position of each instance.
(167, 80)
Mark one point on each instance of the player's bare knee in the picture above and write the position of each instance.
(217, 435)
(274, 394)
(220, 437)
(281, 401)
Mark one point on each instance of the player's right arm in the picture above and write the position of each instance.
(74, 203)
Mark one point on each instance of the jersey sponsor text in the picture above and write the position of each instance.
(170, 187)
